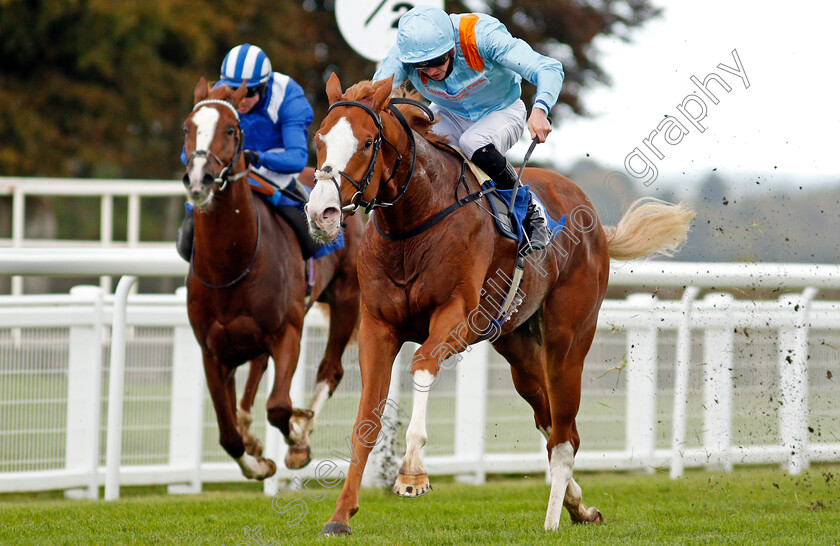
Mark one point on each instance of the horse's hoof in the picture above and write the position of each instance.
(271, 469)
(298, 457)
(412, 485)
(594, 517)
(333, 528)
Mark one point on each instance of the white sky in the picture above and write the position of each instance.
(783, 126)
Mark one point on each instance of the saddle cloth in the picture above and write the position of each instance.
(500, 204)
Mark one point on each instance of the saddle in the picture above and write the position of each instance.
(509, 222)
(288, 202)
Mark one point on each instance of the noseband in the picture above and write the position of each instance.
(356, 201)
(223, 177)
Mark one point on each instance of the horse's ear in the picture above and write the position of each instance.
(238, 95)
(383, 93)
(334, 93)
(201, 90)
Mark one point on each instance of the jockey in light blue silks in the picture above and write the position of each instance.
(275, 117)
(470, 68)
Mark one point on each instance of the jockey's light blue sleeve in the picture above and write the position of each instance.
(391, 65)
(497, 44)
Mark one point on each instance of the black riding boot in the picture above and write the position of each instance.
(184, 237)
(497, 167)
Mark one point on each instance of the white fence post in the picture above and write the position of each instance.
(718, 346)
(681, 376)
(186, 425)
(116, 389)
(470, 410)
(84, 388)
(793, 382)
(640, 428)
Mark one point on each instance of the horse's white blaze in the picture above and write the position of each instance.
(562, 462)
(340, 145)
(205, 120)
(415, 435)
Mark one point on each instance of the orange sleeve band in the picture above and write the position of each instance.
(466, 32)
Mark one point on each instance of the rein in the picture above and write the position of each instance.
(428, 224)
(242, 275)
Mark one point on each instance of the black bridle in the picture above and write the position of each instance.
(222, 179)
(361, 185)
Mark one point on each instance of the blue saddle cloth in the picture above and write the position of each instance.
(520, 211)
(280, 199)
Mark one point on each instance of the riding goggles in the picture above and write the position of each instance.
(432, 63)
(253, 91)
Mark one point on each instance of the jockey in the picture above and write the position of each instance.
(470, 68)
(275, 117)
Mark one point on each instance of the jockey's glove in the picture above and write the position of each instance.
(251, 157)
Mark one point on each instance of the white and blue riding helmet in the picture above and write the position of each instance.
(245, 62)
(423, 34)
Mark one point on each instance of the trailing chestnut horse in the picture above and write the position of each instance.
(246, 289)
(426, 277)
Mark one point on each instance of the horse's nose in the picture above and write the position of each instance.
(207, 180)
(326, 169)
(330, 215)
(186, 180)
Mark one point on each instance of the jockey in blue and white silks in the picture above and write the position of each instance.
(470, 68)
(277, 124)
(275, 117)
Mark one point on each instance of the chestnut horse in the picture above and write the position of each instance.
(246, 289)
(424, 275)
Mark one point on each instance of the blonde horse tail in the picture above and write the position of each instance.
(650, 226)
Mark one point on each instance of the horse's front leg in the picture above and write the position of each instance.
(244, 417)
(443, 342)
(220, 382)
(378, 346)
(285, 351)
(344, 317)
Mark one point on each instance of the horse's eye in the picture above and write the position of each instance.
(186, 130)
(368, 144)
(231, 130)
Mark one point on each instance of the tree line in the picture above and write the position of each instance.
(99, 88)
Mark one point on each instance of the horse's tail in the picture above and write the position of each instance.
(649, 226)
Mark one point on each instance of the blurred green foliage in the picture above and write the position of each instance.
(99, 88)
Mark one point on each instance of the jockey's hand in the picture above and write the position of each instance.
(251, 157)
(538, 124)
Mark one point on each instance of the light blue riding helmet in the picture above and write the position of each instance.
(245, 62)
(424, 33)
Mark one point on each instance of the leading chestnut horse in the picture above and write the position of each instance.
(247, 285)
(426, 276)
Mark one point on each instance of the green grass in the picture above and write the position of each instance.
(748, 506)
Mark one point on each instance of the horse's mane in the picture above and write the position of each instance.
(415, 117)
